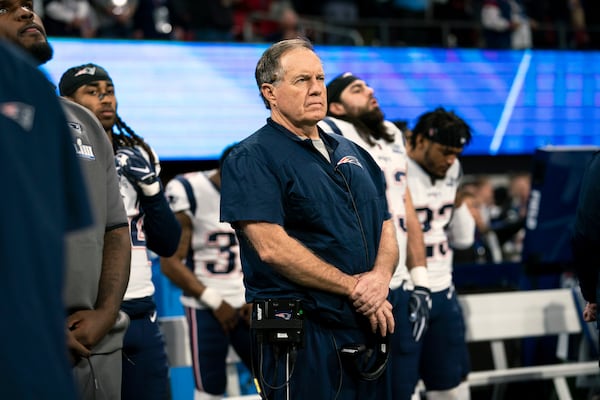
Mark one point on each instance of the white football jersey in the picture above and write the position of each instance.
(392, 159)
(140, 278)
(214, 250)
(434, 204)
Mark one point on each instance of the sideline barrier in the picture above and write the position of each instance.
(495, 317)
(489, 317)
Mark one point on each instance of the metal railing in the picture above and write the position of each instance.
(429, 32)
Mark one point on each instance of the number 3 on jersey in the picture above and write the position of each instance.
(226, 243)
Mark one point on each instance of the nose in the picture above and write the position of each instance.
(25, 13)
(317, 86)
(450, 159)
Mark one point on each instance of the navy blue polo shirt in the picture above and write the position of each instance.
(336, 208)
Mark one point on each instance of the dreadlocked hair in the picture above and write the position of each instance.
(126, 137)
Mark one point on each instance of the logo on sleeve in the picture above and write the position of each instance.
(23, 114)
(83, 150)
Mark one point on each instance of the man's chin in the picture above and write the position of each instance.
(42, 52)
(438, 175)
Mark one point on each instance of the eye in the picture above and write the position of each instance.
(3, 10)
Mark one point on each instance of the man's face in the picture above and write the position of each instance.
(299, 98)
(99, 97)
(436, 158)
(358, 99)
(22, 27)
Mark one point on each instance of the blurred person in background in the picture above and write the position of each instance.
(288, 25)
(509, 224)
(506, 25)
(114, 18)
(70, 18)
(152, 20)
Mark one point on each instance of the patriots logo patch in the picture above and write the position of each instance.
(350, 160)
(23, 114)
(76, 126)
(86, 71)
(283, 315)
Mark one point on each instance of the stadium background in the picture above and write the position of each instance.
(190, 100)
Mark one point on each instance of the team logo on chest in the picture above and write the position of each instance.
(350, 160)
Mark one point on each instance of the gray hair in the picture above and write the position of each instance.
(268, 68)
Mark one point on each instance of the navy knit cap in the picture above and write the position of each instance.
(76, 77)
(337, 86)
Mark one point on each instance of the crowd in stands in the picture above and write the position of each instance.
(499, 206)
(516, 24)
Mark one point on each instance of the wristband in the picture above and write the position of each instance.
(151, 189)
(419, 276)
(211, 298)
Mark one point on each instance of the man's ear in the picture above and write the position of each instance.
(336, 108)
(421, 141)
(268, 93)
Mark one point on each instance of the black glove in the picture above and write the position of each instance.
(419, 306)
(132, 165)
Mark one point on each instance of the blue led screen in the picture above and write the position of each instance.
(190, 100)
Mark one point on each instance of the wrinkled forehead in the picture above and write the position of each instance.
(301, 59)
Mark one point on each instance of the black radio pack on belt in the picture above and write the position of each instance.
(278, 321)
(360, 361)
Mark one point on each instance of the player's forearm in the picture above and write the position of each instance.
(387, 254)
(415, 247)
(181, 276)
(160, 225)
(461, 231)
(115, 270)
(296, 262)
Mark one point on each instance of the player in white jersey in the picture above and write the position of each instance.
(207, 268)
(434, 174)
(152, 225)
(353, 112)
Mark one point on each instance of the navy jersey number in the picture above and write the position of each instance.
(426, 215)
(136, 227)
(226, 242)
